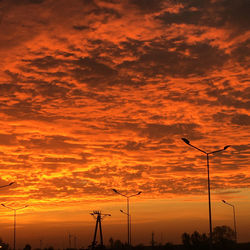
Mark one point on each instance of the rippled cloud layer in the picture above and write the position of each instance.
(98, 94)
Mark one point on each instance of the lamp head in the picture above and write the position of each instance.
(186, 140)
(121, 210)
(3, 205)
(11, 183)
(226, 147)
(139, 193)
(224, 201)
(114, 190)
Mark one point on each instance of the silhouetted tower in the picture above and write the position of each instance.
(153, 239)
(70, 241)
(75, 239)
(98, 216)
(161, 237)
(41, 244)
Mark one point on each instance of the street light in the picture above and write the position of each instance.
(128, 214)
(208, 181)
(7, 185)
(14, 209)
(235, 232)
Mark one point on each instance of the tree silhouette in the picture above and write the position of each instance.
(3, 245)
(195, 241)
(111, 242)
(118, 244)
(199, 241)
(169, 246)
(27, 247)
(224, 237)
(186, 240)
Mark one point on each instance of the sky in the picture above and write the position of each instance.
(97, 94)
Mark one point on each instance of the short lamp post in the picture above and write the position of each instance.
(208, 182)
(235, 232)
(129, 216)
(14, 209)
(128, 213)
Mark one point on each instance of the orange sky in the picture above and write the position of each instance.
(97, 94)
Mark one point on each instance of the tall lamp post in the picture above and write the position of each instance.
(128, 214)
(7, 185)
(208, 182)
(235, 232)
(14, 209)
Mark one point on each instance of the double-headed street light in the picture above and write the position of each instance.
(7, 185)
(14, 209)
(128, 214)
(235, 232)
(208, 182)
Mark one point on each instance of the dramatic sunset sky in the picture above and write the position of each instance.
(97, 94)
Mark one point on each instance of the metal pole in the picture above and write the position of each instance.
(235, 233)
(130, 229)
(75, 242)
(14, 230)
(128, 221)
(100, 227)
(94, 240)
(209, 205)
(69, 240)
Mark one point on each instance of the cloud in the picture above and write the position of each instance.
(45, 63)
(184, 60)
(147, 5)
(161, 131)
(90, 71)
(241, 119)
(80, 27)
(225, 13)
(51, 142)
(8, 139)
(130, 146)
(97, 94)
(241, 54)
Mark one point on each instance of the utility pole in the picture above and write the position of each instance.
(75, 242)
(153, 239)
(69, 241)
(99, 217)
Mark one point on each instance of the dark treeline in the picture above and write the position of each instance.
(223, 239)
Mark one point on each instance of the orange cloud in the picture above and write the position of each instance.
(95, 97)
